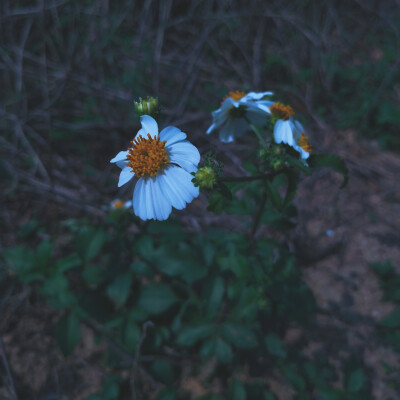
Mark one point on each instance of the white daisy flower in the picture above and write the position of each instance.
(118, 204)
(237, 109)
(163, 163)
(288, 130)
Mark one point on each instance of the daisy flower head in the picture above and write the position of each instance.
(289, 131)
(237, 109)
(163, 163)
(118, 204)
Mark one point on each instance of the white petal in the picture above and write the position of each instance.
(283, 132)
(149, 202)
(210, 129)
(303, 154)
(185, 155)
(177, 186)
(122, 163)
(255, 96)
(226, 132)
(149, 124)
(128, 204)
(119, 157)
(125, 176)
(142, 132)
(172, 135)
(240, 127)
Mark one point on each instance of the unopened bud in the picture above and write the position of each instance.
(277, 165)
(206, 178)
(147, 106)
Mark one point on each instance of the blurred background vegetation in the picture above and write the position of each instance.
(70, 71)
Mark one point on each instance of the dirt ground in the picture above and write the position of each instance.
(340, 232)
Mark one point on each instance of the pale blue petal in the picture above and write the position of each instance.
(283, 132)
(226, 132)
(177, 186)
(122, 163)
(303, 154)
(119, 157)
(255, 96)
(128, 204)
(185, 155)
(172, 135)
(140, 199)
(125, 176)
(160, 204)
(240, 127)
(142, 132)
(149, 124)
(210, 129)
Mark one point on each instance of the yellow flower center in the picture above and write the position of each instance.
(236, 95)
(304, 143)
(147, 156)
(281, 111)
(118, 204)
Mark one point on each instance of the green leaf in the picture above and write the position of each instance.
(273, 195)
(292, 184)
(331, 161)
(163, 371)
(392, 320)
(156, 298)
(356, 380)
(140, 268)
(294, 162)
(95, 245)
(275, 346)
(217, 292)
(68, 332)
(166, 394)
(224, 190)
(69, 262)
(219, 348)
(131, 335)
(239, 335)
(237, 390)
(119, 289)
(191, 335)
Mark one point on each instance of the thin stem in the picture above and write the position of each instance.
(10, 379)
(257, 132)
(268, 175)
(257, 217)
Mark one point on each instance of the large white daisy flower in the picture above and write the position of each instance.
(288, 130)
(163, 163)
(238, 108)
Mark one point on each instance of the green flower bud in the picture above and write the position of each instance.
(277, 150)
(206, 178)
(277, 165)
(147, 106)
(264, 153)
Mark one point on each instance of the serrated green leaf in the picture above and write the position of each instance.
(119, 289)
(237, 390)
(216, 295)
(392, 320)
(294, 162)
(95, 244)
(69, 262)
(330, 161)
(273, 195)
(275, 346)
(356, 381)
(156, 298)
(68, 332)
(239, 335)
(191, 335)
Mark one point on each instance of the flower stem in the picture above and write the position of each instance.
(268, 175)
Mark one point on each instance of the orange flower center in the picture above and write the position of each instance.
(118, 204)
(304, 143)
(236, 95)
(147, 156)
(281, 111)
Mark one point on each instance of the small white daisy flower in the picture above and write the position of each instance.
(118, 204)
(288, 130)
(237, 109)
(163, 163)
